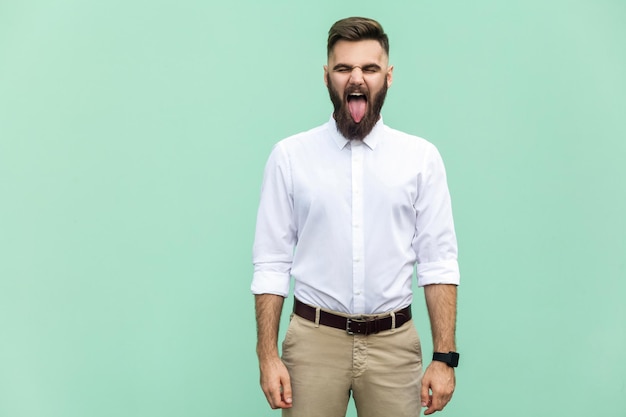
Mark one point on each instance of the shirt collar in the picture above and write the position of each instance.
(370, 140)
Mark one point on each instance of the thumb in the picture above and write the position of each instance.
(425, 397)
(287, 391)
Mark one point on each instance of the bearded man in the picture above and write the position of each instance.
(348, 210)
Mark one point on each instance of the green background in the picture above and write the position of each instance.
(133, 136)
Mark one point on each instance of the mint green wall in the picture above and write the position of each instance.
(133, 136)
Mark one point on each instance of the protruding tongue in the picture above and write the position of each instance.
(357, 106)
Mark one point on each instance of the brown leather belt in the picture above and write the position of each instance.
(353, 325)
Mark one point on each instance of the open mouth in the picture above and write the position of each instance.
(357, 104)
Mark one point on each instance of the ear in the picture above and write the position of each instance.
(326, 75)
(389, 75)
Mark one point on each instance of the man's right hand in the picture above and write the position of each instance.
(275, 383)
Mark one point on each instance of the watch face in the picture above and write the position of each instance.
(450, 358)
(454, 359)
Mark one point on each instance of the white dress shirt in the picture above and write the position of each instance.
(349, 220)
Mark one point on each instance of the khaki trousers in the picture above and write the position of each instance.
(383, 371)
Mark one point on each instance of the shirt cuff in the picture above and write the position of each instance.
(270, 283)
(439, 272)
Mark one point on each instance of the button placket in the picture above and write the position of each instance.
(358, 244)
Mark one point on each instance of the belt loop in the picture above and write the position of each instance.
(393, 321)
(317, 317)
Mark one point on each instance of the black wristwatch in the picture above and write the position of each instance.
(450, 358)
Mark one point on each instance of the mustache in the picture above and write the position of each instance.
(356, 89)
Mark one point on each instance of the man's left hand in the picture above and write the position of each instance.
(437, 386)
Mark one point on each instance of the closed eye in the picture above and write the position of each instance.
(371, 69)
(367, 69)
(342, 68)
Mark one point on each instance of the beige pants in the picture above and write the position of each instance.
(383, 371)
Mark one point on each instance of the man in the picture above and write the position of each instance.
(348, 209)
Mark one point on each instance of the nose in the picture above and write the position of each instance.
(356, 76)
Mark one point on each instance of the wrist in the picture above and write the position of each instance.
(449, 358)
(265, 354)
(266, 358)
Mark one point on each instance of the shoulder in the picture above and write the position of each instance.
(303, 138)
(312, 143)
(294, 148)
(408, 142)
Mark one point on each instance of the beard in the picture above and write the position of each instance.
(345, 124)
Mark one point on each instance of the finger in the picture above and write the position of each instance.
(277, 398)
(277, 401)
(287, 396)
(442, 396)
(435, 404)
(424, 396)
(270, 400)
(428, 404)
(438, 402)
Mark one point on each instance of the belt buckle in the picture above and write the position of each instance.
(349, 322)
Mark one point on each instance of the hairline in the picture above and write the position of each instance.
(354, 29)
(332, 50)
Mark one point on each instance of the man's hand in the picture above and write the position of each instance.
(437, 386)
(438, 382)
(274, 375)
(275, 383)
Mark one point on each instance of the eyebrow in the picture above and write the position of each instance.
(363, 67)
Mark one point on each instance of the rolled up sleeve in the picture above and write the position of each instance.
(435, 242)
(275, 235)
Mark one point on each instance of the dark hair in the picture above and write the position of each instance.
(356, 29)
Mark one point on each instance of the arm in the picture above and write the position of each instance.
(439, 377)
(274, 243)
(274, 376)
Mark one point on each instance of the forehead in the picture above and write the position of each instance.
(358, 52)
